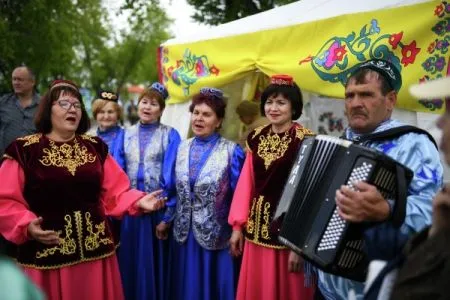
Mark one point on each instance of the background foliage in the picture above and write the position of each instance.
(74, 39)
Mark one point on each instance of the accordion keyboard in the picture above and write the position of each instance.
(336, 226)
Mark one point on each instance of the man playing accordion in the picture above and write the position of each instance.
(370, 96)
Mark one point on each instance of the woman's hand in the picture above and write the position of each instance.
(48, 237)
(162, 230)
(295, 262)
(236, 243)
(152, 202)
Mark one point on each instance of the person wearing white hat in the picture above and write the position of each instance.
(423, 270)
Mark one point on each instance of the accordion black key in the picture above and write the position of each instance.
(311, 225)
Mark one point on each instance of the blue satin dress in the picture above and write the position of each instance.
(113, 137)
(143, 258)
(195, 272)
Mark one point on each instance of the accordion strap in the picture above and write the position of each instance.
(399, 211)
(395, 133)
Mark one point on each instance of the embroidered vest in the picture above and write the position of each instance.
(62, 185)
(153, 155)
(209, 204)
(273, 156)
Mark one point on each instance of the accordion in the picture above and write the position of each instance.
(311, 225)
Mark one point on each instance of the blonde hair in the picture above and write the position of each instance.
(99, 104)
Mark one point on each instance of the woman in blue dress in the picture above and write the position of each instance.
(150, 153)
(207, 170)
(107, 112)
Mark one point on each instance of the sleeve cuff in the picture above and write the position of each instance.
(391, 204)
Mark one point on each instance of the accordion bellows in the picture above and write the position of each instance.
(311, 224)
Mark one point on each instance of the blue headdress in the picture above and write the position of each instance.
(158, 87)
(212, 92)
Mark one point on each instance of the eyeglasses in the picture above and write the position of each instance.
(67, 104)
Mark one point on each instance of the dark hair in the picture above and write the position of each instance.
(152, 94)
(360, 78)
(43, 118)
(290, 92)
(217, 104)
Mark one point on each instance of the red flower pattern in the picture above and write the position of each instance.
(439, 10)
(409, 53)
(198, 68)
(169, 71)
(431, 47)
(338, 53)
(395, 38)
(214, 70)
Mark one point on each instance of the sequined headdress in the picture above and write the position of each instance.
(158, 87)
(209, 91)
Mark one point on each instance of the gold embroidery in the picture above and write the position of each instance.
(79, 224)
(265, 226)
(301, 132)
(256, 216)
(93, 241)
(30, 139)
(50, 267)
(258, 130)
(251, 222)
(271, 147)
(89, 138)
(265, 244)
(66, 245)
(67, 156)
(254, 219)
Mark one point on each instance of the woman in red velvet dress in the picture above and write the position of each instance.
(58, 187)
(269, 271)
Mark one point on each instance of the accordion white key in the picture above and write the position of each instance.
(311, 225)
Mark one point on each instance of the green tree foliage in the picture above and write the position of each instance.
(133, 56)
(214, 12)
(74, 39)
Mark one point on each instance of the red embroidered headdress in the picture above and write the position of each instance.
(281, 79)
